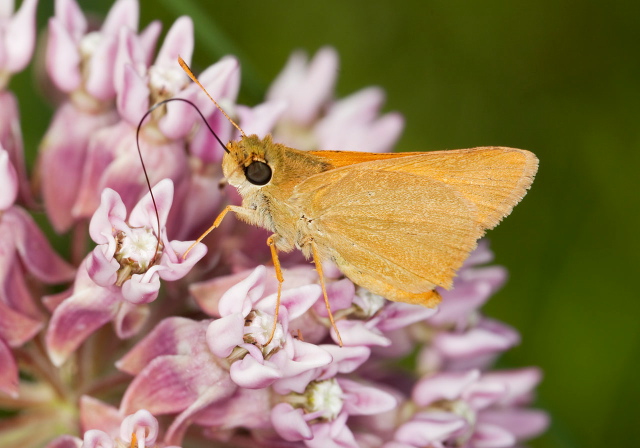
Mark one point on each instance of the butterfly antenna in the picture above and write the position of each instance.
(144, 168)
(188, 71)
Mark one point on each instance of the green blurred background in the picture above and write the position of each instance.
(560, 78)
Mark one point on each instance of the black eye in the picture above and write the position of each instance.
(258, 173)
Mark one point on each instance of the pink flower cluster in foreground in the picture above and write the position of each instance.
(186, 359)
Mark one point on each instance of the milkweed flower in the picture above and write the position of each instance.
(123, 273)
(24, 253)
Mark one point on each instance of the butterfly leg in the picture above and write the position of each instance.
(318, 262)
(216, 223)
(276, 264)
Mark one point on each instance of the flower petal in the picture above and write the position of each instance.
(22, 29)
(62, 57)
(225, 334)
(35, 251)
(177, 42)
(9, 373)
(8, 181)
(365, 400)
(491, 436)
(443, 386)
(172, 336)
(77, 318)
(252, 374)
(289, 423)
(133, 97)
(429, 427)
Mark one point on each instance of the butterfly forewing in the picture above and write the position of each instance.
(495, 179)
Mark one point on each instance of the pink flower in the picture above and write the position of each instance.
(122, 273)
(139, 429)
(313, 120)
(319, 415)
(24, 252)
(17, 37)
(242, 333)
(474, 410)
(81, 64)
(175, 374)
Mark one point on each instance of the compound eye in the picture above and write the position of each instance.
(258, 173)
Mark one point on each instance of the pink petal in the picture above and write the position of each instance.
(144, 213)
(399, 315)
(100, 80)
(483, 394)
(180, 117)
(250, 373)
(429, 427)
(520, 384)
(62, 57)
(345, 359)
(123, 13)
(62, 160)
(177, 42)
(110, 215)
(240, 298)
(297, 301)
(95, 414)
(491, 436)
(8, 181)
(148, 39)
(101, 268)
(130, 319)
(170, 384)
(137, 291)
(443, 386)
(71, 17)
(340, 296)
(11, 140)
(172, 336)
(95, 438)
(207, 294)
(335, 434)
(16, 328)
(489, 338)
(77, 318)
(22, 29)
(289, 423)
(365, 400)
(522, 423)
(464, 299)
(318, 86)
(225, 334)
(9, 373)
(176, 266)
(34, 249)
(355, 333)
(133, 97)
(261, 119)
(65, 442)
(142, 423)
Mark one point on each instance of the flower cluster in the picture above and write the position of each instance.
(190, 356)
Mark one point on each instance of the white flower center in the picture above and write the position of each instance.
(257, 330)
(368, 302)
(325, 397)
(136, 250)
(166, 82)
(89, 43)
